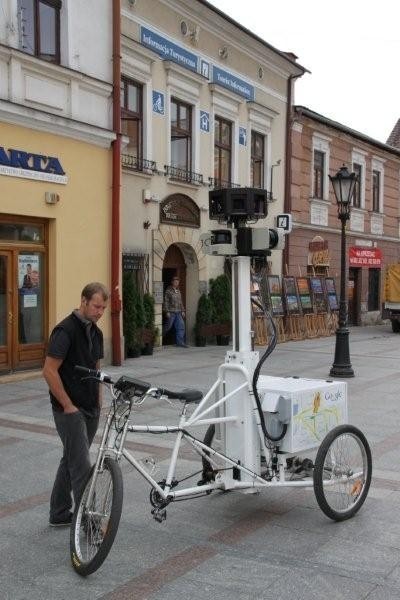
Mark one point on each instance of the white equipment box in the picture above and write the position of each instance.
(311, 408)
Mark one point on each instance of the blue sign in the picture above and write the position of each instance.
(168, 50)
(233, 83)
(158, 103)
(204, 121)
(242, 136)
(31, 162)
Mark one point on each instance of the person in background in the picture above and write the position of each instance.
(175, 312)
(76, 402)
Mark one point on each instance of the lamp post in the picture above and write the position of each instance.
(343, 185)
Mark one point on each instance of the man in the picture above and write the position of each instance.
(76, 402)
(175, 312)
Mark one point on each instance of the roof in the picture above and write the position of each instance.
(307, 112)
(394, 138)
(288, 56)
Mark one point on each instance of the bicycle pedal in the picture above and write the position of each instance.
(159, 514)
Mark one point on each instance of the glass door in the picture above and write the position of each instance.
(6, 315)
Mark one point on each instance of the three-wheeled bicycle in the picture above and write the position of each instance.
(258, 427)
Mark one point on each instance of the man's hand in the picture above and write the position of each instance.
(167, 314)
(70, 409)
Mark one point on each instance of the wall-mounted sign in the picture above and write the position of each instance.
(233, 83)
(205, 69)
(158, 103)
(204, 121)
(158, 292)
(27, 165)
(318, 253)
(242, 136)
(365, 257)
(132, 261)
(179, 209)
(168, 50)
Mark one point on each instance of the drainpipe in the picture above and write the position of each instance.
(116, 189)
(287, 205)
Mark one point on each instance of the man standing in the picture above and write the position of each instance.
(175, 312)
(76, 402)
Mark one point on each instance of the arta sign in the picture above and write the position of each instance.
(17, 163)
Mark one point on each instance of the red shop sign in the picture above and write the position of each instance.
(365, 257)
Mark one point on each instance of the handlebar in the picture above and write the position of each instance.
(93, 373)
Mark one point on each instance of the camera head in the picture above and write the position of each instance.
(238, 205)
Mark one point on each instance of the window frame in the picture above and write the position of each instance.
(357, 192)
(376, 190)
(130, 115)
(56, 5)
(254, 158)
(219, 146)
(319, 194)
(182, 133)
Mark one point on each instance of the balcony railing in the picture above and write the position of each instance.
(138, 164)
(218, 184)
(183, 175)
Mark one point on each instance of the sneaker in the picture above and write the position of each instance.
(65, 522)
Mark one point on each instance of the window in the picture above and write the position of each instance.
(39, 25)
(181, 135)
(319, 167)
(376, 190)
(222, 150)
(357, 168)
(373, 289)
(132, 117)
(257, 160)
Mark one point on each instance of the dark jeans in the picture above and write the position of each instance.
(76, 431)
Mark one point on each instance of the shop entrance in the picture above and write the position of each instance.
(22, 295)
(174, 266)
(354, 296)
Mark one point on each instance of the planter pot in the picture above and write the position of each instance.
(132, 352)
(147, 349)
(223, 340)
(200, 341)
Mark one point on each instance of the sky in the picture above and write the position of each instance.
(352, 49)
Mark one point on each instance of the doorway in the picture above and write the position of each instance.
(174, 266)
(22, 296)
(353, 294)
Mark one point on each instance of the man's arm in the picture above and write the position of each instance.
(53, 379)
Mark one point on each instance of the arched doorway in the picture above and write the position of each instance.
(174, 266)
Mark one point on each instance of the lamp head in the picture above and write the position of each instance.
(343, 185)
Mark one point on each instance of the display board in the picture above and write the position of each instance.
(331, 293)
(303, 286)
(275, 295)
(318, 294)
(255, 295)
(291, 296)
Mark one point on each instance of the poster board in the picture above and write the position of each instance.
(255, 295)
(331, 293)
(318, 294)
(275, 295)
(303, 286)
(291, 295)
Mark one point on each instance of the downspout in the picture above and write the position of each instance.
(116, 190)
(287, 205)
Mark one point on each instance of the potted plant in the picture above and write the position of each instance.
(203, 318)
(221, 300)
(130, 315)
(148, 331)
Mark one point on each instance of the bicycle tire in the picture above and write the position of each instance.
(93, 529)
(342, 472)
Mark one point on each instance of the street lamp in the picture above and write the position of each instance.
(343, 185)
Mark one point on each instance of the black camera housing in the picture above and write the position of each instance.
(235, 205)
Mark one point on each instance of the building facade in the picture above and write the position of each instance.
(55, 167)
(204, 106)
(320, 147)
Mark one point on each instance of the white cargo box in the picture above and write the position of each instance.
(314, 407)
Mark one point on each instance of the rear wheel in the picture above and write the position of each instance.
(342, 472)
(94, 526)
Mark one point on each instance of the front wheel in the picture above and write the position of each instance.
(94, 526)
(342, 472)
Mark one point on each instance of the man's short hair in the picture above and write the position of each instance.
(95, 288)
(175, 279)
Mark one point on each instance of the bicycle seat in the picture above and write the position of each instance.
(186, 395)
